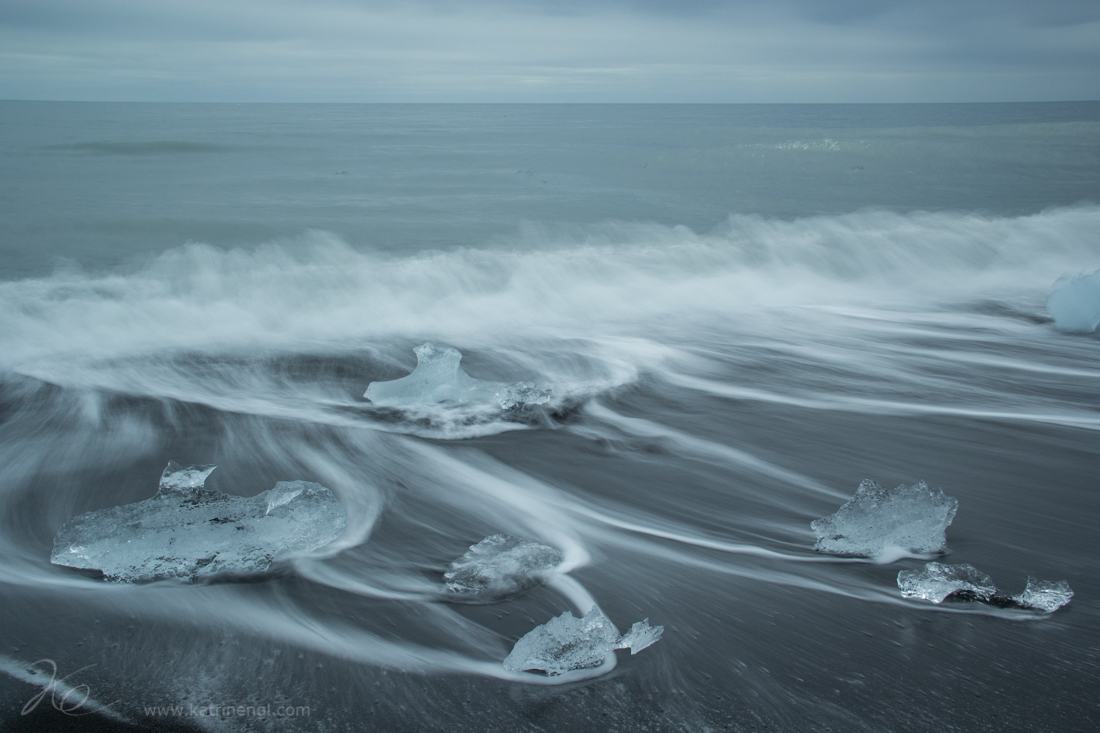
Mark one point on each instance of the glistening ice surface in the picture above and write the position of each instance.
(187, 531)
(742, 312)
(1045, 595)
(567, 643)
(501, 566)
(936, 581)
(884, 524)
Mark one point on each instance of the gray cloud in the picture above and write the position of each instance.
(536, 50)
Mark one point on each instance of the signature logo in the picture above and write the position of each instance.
(65, 698)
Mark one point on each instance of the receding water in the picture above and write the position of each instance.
(743, 311)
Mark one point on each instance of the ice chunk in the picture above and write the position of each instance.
(566, 643)
(640, 636)
(184, 480)
(1075, 303)
(283, 493)
(520, 394)
(887, 524)
(438, 377)
(936, 581)
(1044, 595)
(501, 566)
(191, 532)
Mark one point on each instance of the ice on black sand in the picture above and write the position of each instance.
(188, 531)
(501, 566)
(640, 636)
(936, 582)
(438, 377)
(1044, 595)
(566, 643)
(887, 524)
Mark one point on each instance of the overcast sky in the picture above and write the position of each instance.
(547, 50)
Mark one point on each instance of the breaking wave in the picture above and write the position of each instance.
(317, 293)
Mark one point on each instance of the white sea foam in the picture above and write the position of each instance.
(319, 291)
(581, 311)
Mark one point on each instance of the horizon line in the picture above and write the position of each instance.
(528, 103)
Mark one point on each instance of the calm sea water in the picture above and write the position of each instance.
(745, 311)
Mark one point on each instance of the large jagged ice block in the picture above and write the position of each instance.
(936, 581)
(566, 643)
(1044, 595)
(887, 524)
(438, 377)
(501, 566)
(190, 532)
(1075, 303)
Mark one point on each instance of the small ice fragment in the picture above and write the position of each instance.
(188, 531)
(283, 493)
(1044, 595)
(566, 643)
(1075, 303)
(184, 480)
(516, 396)
(501, 566)
(936, 581)
(438, 377)
(877, 522)
(640, 636)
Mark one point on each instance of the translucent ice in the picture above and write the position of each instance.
(184, 480)
(191, 532)
(1044, 595)
(515, 396)
(501, 566)
(566, 643)
(1075, 303)
(283, 493)
(887, 524)
(438, 377)
(640, 636)
(936, 581)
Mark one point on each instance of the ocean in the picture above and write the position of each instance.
(742, 312)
